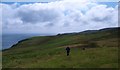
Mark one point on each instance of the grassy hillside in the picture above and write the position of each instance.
(49, 51)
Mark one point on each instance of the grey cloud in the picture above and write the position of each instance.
(98, 19)
(32, 16)
(49, 25)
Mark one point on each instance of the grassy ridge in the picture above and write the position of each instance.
(49, 51)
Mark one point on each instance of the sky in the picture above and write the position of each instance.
(53, 0)
(55, 17)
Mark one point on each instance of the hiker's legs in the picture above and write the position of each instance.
(67, 53)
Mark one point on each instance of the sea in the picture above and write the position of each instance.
(10, 39)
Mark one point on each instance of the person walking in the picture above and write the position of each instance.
(67, 50)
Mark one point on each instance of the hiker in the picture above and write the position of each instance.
(68, 50)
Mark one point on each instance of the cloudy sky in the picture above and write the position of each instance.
(57, 16)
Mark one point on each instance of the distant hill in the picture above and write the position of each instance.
(49, 51)
(93, 31)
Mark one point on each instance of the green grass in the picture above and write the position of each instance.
(49, 52)
(56, 58)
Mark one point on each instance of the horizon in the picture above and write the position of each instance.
(7, 37)
(53, 33)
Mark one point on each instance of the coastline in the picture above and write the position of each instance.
(15, 44)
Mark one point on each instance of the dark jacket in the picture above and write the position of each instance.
(67, 49)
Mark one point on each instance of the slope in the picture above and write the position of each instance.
(49, 51)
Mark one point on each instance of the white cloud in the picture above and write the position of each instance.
(57, 17)
(54, 0)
